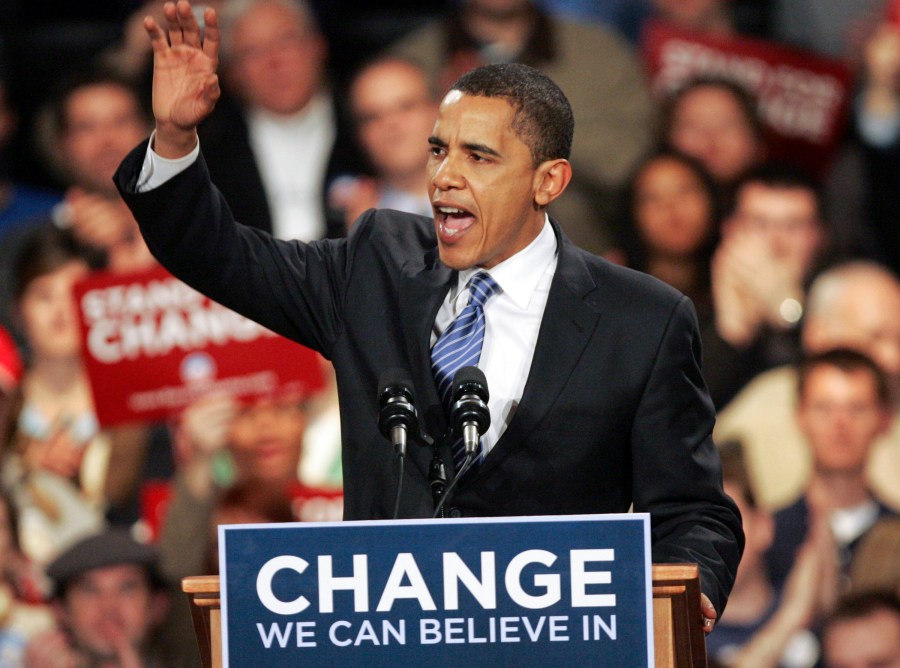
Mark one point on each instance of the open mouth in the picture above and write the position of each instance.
(453, 221)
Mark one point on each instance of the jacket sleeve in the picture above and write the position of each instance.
(290, 287)
(677, 473)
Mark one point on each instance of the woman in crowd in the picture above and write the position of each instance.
(670, 224)
(715, 120)
(54, 459)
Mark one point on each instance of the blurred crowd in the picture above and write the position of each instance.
(793, 269)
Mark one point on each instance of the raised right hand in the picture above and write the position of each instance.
(185, 84)
(206, 423)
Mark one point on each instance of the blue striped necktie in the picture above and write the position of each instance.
(460, 345)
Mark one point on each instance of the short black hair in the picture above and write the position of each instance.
(848, 361)
(543, 116)
(90, 77)
(44, 250)
(780, 176)
(860, 605)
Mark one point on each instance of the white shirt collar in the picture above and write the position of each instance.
(518, 275)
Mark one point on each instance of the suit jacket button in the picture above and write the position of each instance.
(455, 512)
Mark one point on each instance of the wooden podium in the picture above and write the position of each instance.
(678, 636)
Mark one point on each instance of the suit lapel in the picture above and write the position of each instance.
(422, 290)
(569, 321)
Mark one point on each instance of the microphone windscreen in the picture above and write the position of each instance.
(392, 379)
(471, 379)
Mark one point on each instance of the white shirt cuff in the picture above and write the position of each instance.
(156, 170)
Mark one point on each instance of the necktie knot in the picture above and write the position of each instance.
(481, 288)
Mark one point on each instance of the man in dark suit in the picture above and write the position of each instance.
(597, 398)
(277, 100)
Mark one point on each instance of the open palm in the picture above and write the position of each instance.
(185, 84)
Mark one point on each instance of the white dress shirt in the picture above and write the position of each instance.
(512, 321)
(292, 154)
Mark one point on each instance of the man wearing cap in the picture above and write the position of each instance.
(108, 601)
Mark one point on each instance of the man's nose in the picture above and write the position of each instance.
(447, 174)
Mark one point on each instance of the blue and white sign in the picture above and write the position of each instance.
(526, 591)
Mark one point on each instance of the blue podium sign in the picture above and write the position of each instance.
(525, 591)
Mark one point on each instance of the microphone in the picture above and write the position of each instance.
(469, 414)
(397, 417)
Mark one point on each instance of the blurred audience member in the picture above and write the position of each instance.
(22, 613)
(237, 463)
(92, 121)
(715, 120)
(671, 224)
(764, 626)
(772, 238)
(863, 631)
(876, 561)
(393, 111)
(843, 406)
(54, 462)
(109, 603)
(854, 305)
(596, 69)
(90, 124)
(275, 139)
(877, 120)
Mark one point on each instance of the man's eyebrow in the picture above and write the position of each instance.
(471, 146)
(481, 148)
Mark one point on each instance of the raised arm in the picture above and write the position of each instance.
(185, 83)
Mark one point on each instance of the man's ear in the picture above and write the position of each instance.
(551, 179)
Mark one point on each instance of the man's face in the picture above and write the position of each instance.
(482, 183)
(840, 415)
(868, 642)
(710, 125)
(865, 318)
(786, 218)
(277, 60)
(106, 605)
(103, 123)
(394, 117)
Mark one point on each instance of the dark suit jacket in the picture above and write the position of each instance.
(792, 530)
(614, 410)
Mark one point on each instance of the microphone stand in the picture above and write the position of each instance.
(437, 478)
(470, 458)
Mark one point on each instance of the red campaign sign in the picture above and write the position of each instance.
(803, 98)
(152, 345)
